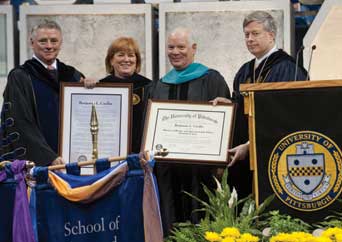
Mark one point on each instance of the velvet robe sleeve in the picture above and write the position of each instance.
(285, 71)
(217, 86)
(282, 71)
(19, 93)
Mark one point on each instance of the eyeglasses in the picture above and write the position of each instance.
(254, 34)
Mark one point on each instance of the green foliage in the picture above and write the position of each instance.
(221, 211)
(186, 232)
(280, 223)
(332, 221)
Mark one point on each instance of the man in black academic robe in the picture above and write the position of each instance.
(30, 115)
(269, 65)
(187, 81)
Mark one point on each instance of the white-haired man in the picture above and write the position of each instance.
(188, 81)
(31, 99)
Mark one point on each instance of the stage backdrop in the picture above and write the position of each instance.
(217, 30)
(297, 138)
(88, 31)
(326, 34)
(6, 45)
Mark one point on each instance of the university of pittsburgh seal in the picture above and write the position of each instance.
(305, 171)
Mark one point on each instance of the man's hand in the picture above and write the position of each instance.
(89, 82)
(220, 100)
(239, 152)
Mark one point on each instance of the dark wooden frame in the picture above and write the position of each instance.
(129, 86)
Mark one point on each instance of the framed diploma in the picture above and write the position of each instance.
(112, 102)
(191, 132)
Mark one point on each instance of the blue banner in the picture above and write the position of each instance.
(15, 220)
(7, 194)
(115, 216)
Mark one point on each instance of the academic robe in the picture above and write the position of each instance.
(172, 178)
(141, 85)
(31, 100)
(278, 67)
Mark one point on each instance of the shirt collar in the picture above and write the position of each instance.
(270, 52)
(54, 64)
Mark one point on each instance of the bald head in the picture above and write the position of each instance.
(186, 33)
(181, 48)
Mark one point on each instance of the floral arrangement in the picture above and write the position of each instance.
(329, 235)
(221, 212)
(234, 235)
(225, 221)
(229, 234)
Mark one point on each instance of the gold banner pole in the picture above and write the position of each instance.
(162, 152)
(94, 130)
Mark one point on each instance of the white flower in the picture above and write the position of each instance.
(266, 232)
(219, 187)
(234, 194)
(251, 208)
(230, 202)
(233, 198)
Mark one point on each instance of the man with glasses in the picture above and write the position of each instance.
(269, 65)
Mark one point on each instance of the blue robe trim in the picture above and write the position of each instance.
(193, 71)
(47, 101)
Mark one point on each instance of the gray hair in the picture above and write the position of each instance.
(185, 31)
(262, 17)
(45, 24)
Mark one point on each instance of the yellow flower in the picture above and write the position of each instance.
(332, 233)
(301, 236)
(278, 238)
(230, 232)
(282, 237)
(338, 237)
(318, 239)
(247, 237)
(212, 236)
(228, 239)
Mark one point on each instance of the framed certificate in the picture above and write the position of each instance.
(191, 132)
(113, 103)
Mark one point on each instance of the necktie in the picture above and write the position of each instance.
(53, 72)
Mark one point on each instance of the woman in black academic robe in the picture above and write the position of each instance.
(123, 63)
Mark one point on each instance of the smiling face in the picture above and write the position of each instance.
(258, 40)
(124, 63)
(180, 52)
(46, 44)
